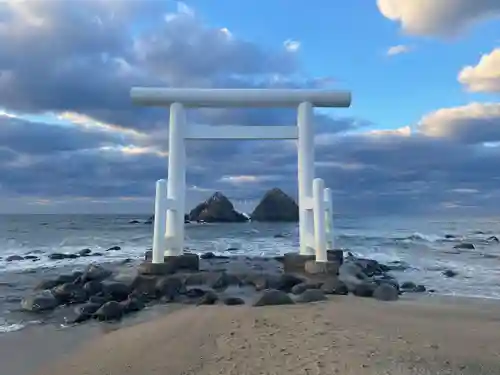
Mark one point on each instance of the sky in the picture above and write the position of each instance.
(422, 136)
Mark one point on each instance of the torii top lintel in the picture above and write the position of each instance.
(219, 98)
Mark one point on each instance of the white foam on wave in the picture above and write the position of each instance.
(426, 237)
(384, 256)
(231, 246)
(10, 327)
(129, 251)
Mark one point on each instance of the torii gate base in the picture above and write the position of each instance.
(170, 195)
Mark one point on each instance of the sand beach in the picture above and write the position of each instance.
(344, 335)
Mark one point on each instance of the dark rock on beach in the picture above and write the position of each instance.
(195, 292)
(493, 239)
(132, 305)
(450, 273)
(333, 285)
(276, 206)
(33, 258)
(216, 209)
(352, 276)
(93, 287)
(13, 258)
(224, 280)
(208, 255)
(363, 276)
(273, 297)
(95, 272)
(465, 246)
(110, 311)
(170, 287)
(311, 295)
(85, 312)
(233, 301)
(369, 267)
(61, 279)
(84, 252)
(69, 293)
(39, 302)
(99, 299)
(286, 282)
(302, 287)
(386, 292)
(364, 289)
(61, 256)
(411, 287)
(209, 298)
(115, 290)
(144, 287)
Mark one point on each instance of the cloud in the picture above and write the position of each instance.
(438, 18)
(36, 138)
(70, 139)
(398, 50)
(437, 165)
(470, 124)
(292, 45)
(92, 71)
(483, 77)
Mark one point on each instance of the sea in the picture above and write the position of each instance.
(424, 245)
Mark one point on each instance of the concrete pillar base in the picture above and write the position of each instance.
(183, 262)
(294, 262)
(330, 268)
(335, 256)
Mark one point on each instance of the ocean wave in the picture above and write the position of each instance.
(417, 236)
(414, 237)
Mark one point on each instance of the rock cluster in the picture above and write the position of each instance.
(100, 294)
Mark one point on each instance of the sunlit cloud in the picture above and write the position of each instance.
(465, 191)
(90, 123)
(292, 45)
(341, 165)
(404, 131)
(247, 179)
(7, 114)
(135, 150)
(398, 50)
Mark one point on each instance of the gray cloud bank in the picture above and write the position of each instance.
(78, 59)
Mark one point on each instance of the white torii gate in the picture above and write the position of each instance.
(170, 207)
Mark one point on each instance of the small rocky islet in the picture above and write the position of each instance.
(275, 206)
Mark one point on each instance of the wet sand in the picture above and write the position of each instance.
(24, 352)
(346, 335)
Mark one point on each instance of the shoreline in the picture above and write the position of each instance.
(215, 263)
(240, 278)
